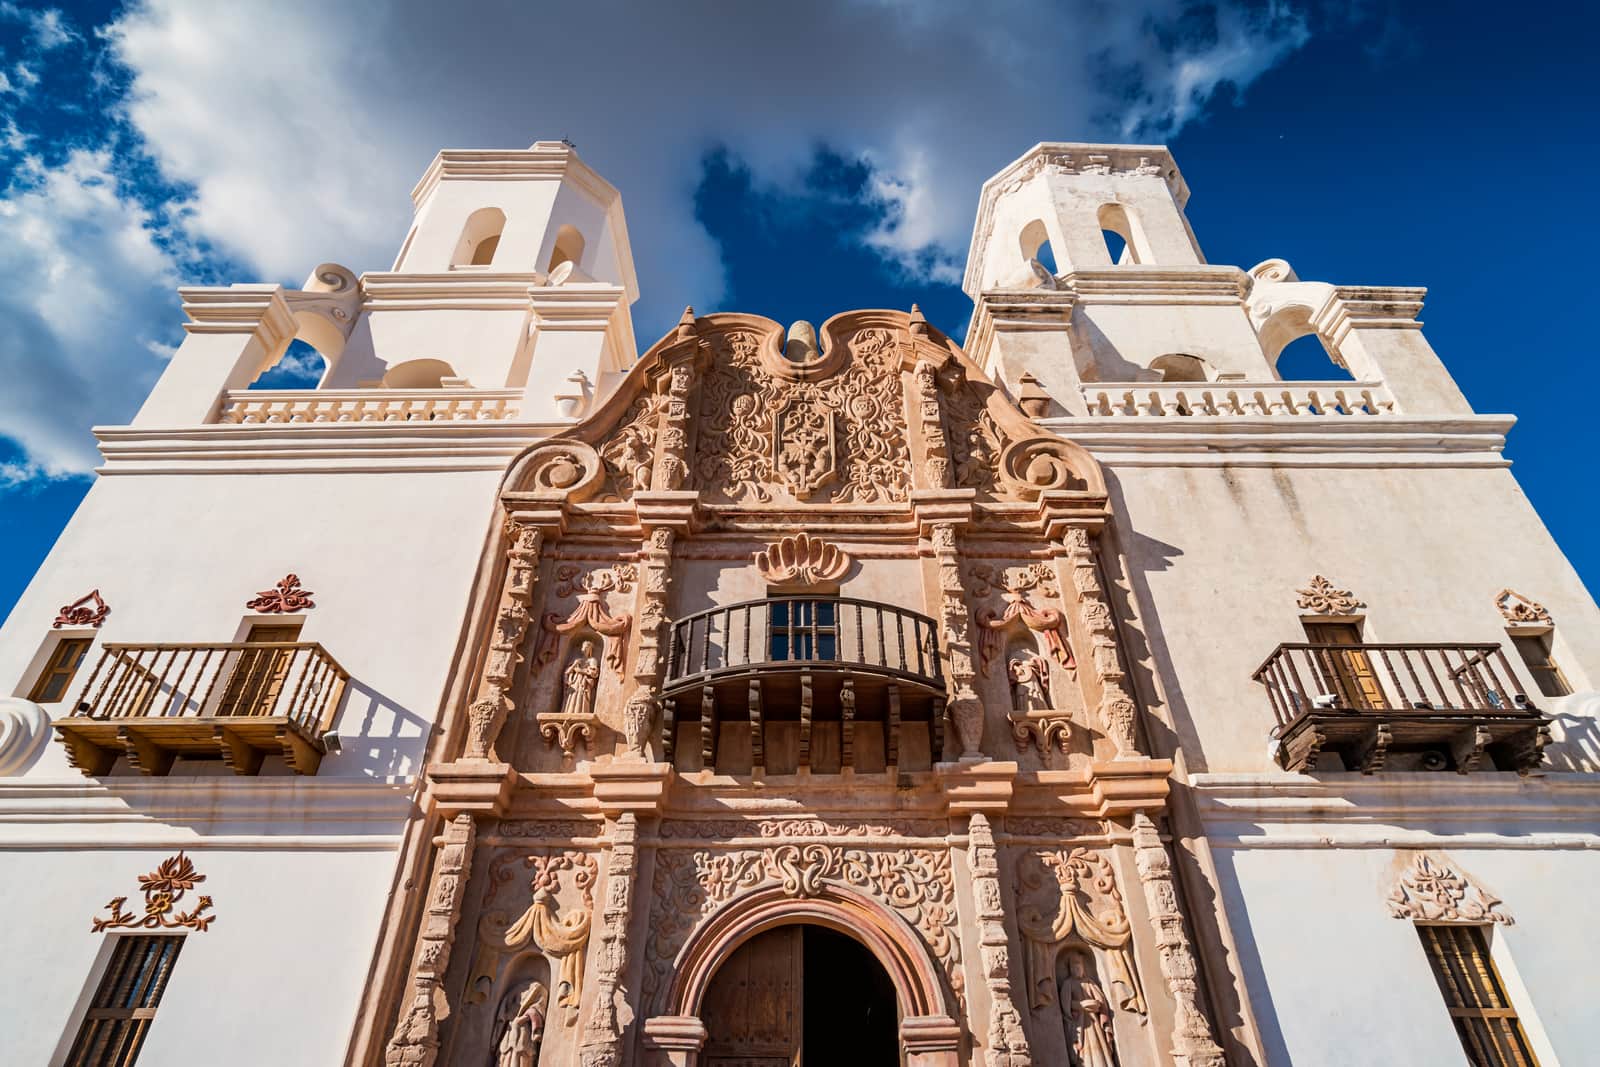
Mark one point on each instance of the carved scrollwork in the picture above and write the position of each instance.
(1517, 608)
(1432, 890)
(87, 610)
(569, 467)
(286, 596)
(1039, 465)
(164, 889)
(801, 559)
(1043, 729)
(1322, 597)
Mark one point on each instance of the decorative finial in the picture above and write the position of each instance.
(686, 324)
(918, 324)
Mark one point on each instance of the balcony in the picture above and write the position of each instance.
(236, 702)
(1401, 707)
(816, 683)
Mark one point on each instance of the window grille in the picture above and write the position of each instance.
(1485, 1021)
(119, 1017)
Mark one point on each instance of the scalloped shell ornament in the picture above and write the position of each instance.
(802, 559)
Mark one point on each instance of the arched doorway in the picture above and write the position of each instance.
(800, 996)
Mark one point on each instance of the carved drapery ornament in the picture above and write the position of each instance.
(801, 559)
(1518, 609)
(1433, 890)
(590, 612)
(87, 610)
(1015, 583)
(564, 939)
(1322, 598)
(284, 597)
(164, 889)
(1117, 709)
(1082, 904)
(1192, 1042)
(1007, 1043)
(415, 1042)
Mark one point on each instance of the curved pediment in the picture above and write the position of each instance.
(884, 407)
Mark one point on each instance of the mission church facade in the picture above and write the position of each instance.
(1084, 695)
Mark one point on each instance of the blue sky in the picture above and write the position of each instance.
(794, 162)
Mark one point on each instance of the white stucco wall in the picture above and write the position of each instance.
(390, 558)
(1335, 980)
(275, 980)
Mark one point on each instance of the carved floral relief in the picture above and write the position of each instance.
(286, 596)
(87, 610)
(164, 889)
(1431, 889)
(1517, 608)
(1322, 597)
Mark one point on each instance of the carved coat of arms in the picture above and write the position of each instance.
(802, 448)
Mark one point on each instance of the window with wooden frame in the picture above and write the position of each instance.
(119, 1017)
(802, 629)
(65, 658)
(1487, 1024)
(1535, 652)
(1348, 672)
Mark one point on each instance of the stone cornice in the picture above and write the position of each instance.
(1368, 307)
(332, 813)
(543, 161)
(1280, 810)
(1170, 286)
(463, 291)
(259, 309)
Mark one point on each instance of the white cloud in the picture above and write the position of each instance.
(89, 291)
(309, 156)
(50, 29)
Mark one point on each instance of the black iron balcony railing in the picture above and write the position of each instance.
(800, 669)
(238, 702)
(1426, 707)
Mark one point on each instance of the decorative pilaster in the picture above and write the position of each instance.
(488, 713)
(936, 469)
(416, 1040)
(1116, 710)
(602, 1035)
(1007, 1043)
(1192, 1043)
(955, 625)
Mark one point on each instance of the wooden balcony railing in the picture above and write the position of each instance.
(1406, 706)
(237, 702)
(797, 668)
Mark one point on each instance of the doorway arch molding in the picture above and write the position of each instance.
(928, 1026)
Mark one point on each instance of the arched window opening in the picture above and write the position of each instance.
(1117, 229)
(1306, 359)
(301, 366)
(1181, 367)
(569, 248)
(418, 374)
(480, 237)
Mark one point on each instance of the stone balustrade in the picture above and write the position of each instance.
(1238, 398)
(368, 405)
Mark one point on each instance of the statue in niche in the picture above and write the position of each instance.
(582, 678)
(519, 1026)
(1087, 1013)
(978, 461)
(1030, 682)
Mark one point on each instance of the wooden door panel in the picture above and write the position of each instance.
(753, 1008)
(258, 673)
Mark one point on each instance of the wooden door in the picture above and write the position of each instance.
(753, 1009)
(258, 674)
(1355, 682)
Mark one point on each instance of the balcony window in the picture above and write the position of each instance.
(804, 629)
(1535, 652)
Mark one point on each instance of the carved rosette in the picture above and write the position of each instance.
(1117, 709)
(966, 710)
(416, 1039)
(1007, 1044)
(1192, 1041)
(601, 1045)
(487, 714)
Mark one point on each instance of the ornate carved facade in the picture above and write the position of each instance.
(888, 724)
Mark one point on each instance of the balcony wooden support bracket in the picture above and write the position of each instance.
(806, 700)
(847, 723)
(891, 740)
(758, 753)
(1467, 747)
(300, 754)
(143, 753)
(669, 729)
(84, 755)
(1373, 749)
(1524, 751)
(708, 728)
(239, 756)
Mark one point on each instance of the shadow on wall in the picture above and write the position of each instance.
(1249, 962)
(389, 756)
(1577, 733)
(1148, 644)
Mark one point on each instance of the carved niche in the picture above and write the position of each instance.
(1069, 898)
(535, 905)
(1035, 719)
(572, 640)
